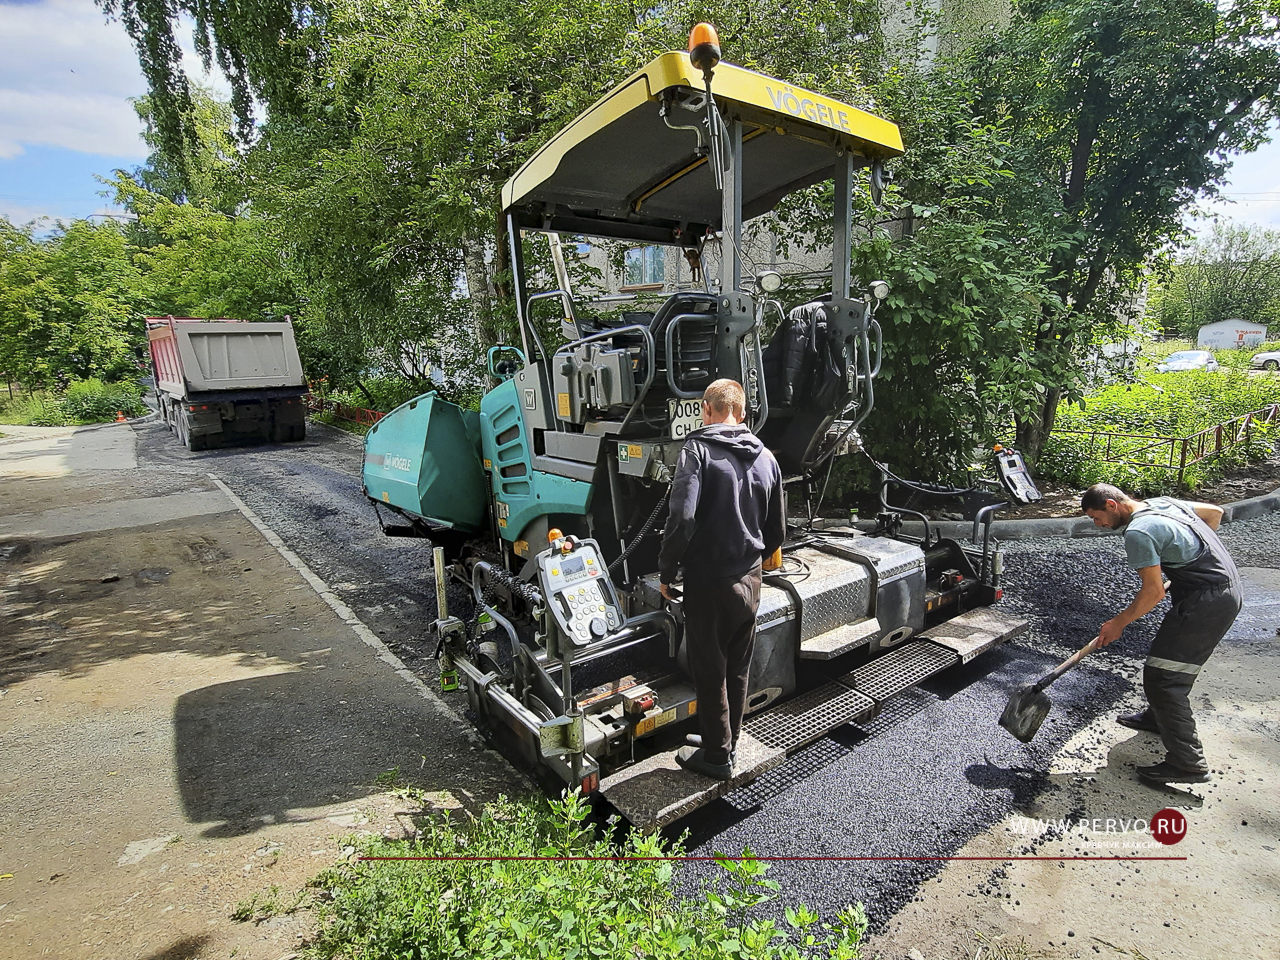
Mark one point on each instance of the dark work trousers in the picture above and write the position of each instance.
(1206, 595)
(1188, 634)
(720, 634)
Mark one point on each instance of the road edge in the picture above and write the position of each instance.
(345, 613)
(1071, 527)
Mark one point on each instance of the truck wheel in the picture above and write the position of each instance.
(298, 432)
(279, 431)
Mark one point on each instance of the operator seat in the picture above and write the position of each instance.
(692, 342)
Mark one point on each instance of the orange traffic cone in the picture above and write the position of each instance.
(120, 416)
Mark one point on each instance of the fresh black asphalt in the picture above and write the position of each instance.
(932, 771)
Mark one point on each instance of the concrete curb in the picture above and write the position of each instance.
(1073, 527)
(345, 613)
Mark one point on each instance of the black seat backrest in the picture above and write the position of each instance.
(693, 342)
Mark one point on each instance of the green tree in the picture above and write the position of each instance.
(201, 262)
(1233, 273)
(71, 305)
(1121, 115)
(380, 170)
(206, 171)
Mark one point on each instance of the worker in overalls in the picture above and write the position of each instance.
(1171, 538)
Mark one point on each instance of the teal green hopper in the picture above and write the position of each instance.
(424, 459)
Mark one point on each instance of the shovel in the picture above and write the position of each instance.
(1029, 705)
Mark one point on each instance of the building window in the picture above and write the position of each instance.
(644, 266)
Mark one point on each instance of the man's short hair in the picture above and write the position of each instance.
(726, 396)
(1096, 497)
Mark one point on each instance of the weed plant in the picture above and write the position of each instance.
(83, 401)
(1165, 405)
(598, 905)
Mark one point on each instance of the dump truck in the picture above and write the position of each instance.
(223, 380)
(548, 503)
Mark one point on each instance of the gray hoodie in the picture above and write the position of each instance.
(726, 511)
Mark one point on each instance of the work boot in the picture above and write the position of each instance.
(695, 759)
(1143, 720)
(695, 740)
(1165, 772)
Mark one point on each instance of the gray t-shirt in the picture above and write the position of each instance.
(1152, 537)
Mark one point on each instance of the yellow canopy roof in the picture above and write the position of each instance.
(618, 170)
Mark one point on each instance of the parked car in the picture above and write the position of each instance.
(1188, 360)
(1270, 360)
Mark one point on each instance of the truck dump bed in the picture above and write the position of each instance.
(202, 356)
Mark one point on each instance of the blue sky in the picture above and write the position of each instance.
(66, 80)
(67, 75)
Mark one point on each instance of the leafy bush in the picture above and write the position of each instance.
(85, 401)
(1168, 405)
(47, 411)
(378, 393)
(92, 401)
(24, 407)
(1171, 404)
(588, 908)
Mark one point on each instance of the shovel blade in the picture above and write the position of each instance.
(1024, 712)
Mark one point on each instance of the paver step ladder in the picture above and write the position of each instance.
(657, 791)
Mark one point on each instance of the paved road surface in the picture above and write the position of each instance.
(921, 781)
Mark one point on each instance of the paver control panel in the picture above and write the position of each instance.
(584, 602)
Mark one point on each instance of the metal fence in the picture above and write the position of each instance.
(343, 411)
(1174, 453)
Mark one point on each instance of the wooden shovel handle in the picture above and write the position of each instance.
(1068, 663)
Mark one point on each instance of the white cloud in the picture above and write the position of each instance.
(19, 213)
(66, 77)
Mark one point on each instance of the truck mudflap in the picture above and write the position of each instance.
(656, 792)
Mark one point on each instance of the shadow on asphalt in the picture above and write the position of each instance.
(188, 948)
(273, 748)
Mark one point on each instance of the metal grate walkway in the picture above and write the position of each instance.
(809, 717)
(889, 675)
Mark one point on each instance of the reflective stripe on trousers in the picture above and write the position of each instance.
(1173, 666)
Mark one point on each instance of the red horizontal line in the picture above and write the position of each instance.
(770, 859)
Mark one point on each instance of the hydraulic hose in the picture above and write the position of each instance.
(644, 530)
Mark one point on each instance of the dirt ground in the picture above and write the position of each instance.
(186, 728)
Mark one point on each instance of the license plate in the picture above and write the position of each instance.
(686, 417)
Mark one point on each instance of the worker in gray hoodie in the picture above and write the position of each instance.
(726, 516)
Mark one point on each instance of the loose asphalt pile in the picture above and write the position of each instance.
(922, 779)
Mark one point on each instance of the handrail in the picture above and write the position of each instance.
(669, 342)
